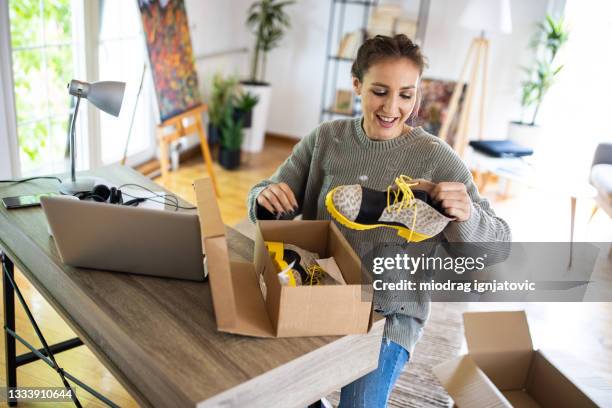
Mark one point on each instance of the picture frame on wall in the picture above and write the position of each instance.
(435, 101)
(343, 102)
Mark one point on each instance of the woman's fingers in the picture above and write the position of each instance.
(458, 213)
(454, 199)
(278, 198)
(271, 197)
(281, 196)
(263, 201)
(285, 187)
(446, 204)
(450, 195)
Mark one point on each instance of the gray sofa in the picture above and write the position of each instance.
(601, 177)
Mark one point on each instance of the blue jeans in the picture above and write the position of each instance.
(373, 389)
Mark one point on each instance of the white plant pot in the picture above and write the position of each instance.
(254, 137)
(525, 135)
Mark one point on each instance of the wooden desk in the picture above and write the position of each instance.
(159, 337)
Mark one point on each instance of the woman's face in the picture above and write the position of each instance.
(388, 96)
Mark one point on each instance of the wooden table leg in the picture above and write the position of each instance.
(206, 154)
(164, 160)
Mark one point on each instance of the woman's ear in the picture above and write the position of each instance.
(357, 86)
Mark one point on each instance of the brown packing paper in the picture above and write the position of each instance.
(330, 267)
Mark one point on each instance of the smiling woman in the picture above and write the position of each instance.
(374, 152)
(389, 90)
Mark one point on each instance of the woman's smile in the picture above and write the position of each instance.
(386, 122)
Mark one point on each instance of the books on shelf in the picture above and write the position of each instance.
(349, 45)
(389, 19)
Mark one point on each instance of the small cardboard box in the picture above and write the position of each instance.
(502, 369)
(248, 298)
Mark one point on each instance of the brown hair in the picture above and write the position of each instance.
(381, 47)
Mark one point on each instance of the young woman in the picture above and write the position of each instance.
(373, 151)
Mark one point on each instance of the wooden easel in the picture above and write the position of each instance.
(478, 56)
(178, 129)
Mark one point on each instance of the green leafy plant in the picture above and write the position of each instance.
(221, 97)
(246, 101)
(231, 130)
(551, 36)
(268, 20)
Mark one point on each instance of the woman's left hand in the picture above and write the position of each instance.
(454, 199)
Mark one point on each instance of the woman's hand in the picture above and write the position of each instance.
(454, 199)
(278, 198)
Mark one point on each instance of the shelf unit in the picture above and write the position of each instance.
(335, 64)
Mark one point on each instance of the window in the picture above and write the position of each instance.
(43, 54)
(575, 112)
(122, 57)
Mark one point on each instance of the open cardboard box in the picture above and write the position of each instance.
(248, 298)
(502, 369)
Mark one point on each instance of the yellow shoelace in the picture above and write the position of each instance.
(315, 274)
(404, 184)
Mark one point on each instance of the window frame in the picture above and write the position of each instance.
(9, 146)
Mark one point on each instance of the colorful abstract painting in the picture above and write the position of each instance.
(169, 45)
(435, 100)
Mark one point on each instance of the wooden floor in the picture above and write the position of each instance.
(584, 330)
(233, 185)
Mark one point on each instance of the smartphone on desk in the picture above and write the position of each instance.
(25, 201)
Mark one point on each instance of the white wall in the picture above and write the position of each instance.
(295, 69)
(446, 46)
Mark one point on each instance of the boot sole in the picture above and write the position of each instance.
(403, 232)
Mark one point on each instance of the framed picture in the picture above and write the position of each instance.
(170, 54)
(343, 102)
(435, 100)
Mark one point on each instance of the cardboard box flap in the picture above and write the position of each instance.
(544, 376)
(211, 223)
(487, 332)
(239, 306)
(468, 385)
(251, 314)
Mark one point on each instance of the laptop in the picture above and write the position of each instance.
(126, 239)
(501, 148)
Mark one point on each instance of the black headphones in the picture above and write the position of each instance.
(103, 194)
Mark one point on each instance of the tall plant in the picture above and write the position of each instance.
(268, 20)
(551, 36)
(222, 92)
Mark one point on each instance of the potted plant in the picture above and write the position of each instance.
(540, 77)
(231, 139)
(222, 91)
(245, 102)
(268, 20)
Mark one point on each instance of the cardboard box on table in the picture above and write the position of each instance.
(502, 369)
(238, 288)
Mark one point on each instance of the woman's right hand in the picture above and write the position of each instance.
(278, 198)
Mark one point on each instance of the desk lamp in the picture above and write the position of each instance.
(106, 96)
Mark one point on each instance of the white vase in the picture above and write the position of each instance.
(525, 135)
(254, 137)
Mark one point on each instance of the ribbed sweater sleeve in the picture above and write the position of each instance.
(294, 171)
(483, 225)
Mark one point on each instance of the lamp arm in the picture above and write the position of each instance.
(72, 138)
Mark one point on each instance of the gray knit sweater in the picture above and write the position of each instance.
(340, 153)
